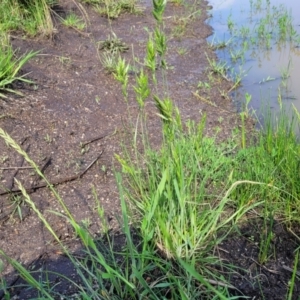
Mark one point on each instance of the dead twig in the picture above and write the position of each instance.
(14, 168)
(54, 182)
(98, 138)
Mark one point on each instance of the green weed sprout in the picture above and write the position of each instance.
(72, 20)
(218, 68)
(285, 73)
(248, 98)
(230, 23)
(109, 62)
(17, 203)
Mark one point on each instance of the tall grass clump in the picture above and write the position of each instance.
(33, 17)
(178, 192)
(133, 270)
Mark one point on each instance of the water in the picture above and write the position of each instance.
(263, 47)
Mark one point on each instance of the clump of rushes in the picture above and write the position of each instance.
(10, 67)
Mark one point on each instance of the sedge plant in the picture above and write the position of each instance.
(10, 67)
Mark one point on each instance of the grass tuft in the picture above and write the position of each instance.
(33, 17)
(10, 67)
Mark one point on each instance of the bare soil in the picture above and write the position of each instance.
(75, 101)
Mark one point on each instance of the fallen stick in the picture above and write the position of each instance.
(97, 138)
(55, 182)
(19, 168)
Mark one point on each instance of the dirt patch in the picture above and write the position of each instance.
(74, 101)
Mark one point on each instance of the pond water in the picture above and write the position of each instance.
(260, 41)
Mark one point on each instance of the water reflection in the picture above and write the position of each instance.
(222, 4)
(271, 60)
